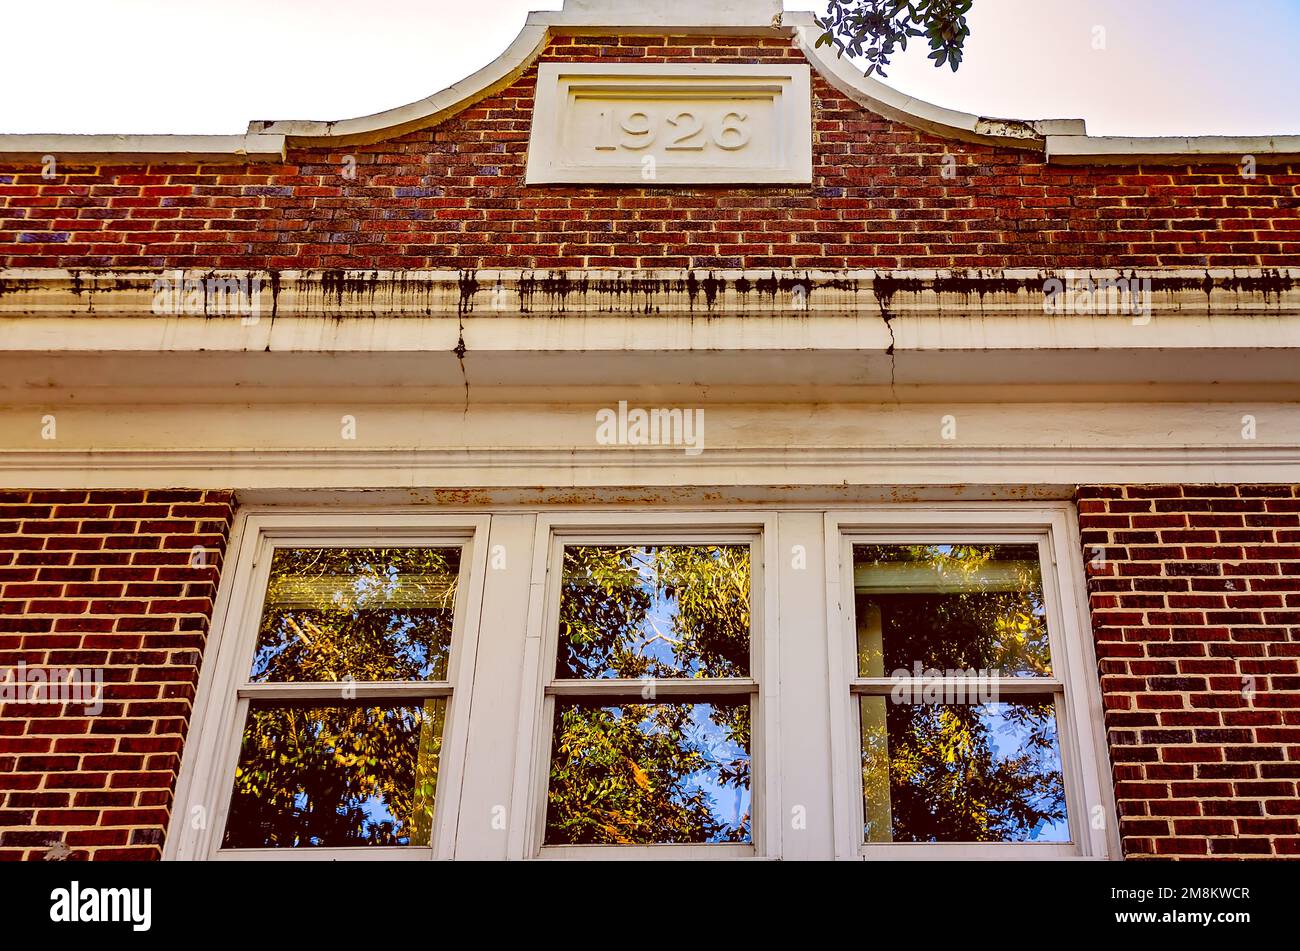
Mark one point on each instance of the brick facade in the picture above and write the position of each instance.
(111, 580)
(1195, 595)
(453, 198)
(1194, 591)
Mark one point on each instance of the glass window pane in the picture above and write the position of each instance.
(347, 775)
(950, 607)
(366, 614)
(986, 772)
(654, 611)
(644, 774)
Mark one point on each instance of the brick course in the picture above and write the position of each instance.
(108, 580)
(1195, 596)
(453, 197)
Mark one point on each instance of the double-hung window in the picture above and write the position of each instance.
(651, 694)
(970, 718)
(330, 730)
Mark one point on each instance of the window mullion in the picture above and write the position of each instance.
(649, 690)
(1017, 686)
(336, 691)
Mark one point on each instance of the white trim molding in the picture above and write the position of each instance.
(1060, 140)
(497, 333)
(215, 149)
(1171, 150)
(646, 292)
(623, 474)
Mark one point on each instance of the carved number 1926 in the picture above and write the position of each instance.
(687, 132)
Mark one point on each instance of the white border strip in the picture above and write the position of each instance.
(429, 469)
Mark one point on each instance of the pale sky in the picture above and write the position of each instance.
(1165, 67)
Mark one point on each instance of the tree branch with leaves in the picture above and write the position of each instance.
(874, 30)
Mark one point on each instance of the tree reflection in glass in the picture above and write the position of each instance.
(971, 769)
(367, 614)
(962, 773)
(343, 771)
(336, 775)
(649, 773)
(950, 607)
(643, 773)
(654, 611)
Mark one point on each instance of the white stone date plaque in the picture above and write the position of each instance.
(653, 124)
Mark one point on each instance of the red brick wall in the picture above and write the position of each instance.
(109, 580)
(1196, 614)
(453, 197)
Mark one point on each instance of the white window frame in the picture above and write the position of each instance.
(205, 785)
(532, 769)
(1080, 724)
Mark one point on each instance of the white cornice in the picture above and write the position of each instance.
(1171, 150)
(252, 147)
(501, 333)
(1062, 140)
(671, 459)
(646, 467)
(67, 293)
